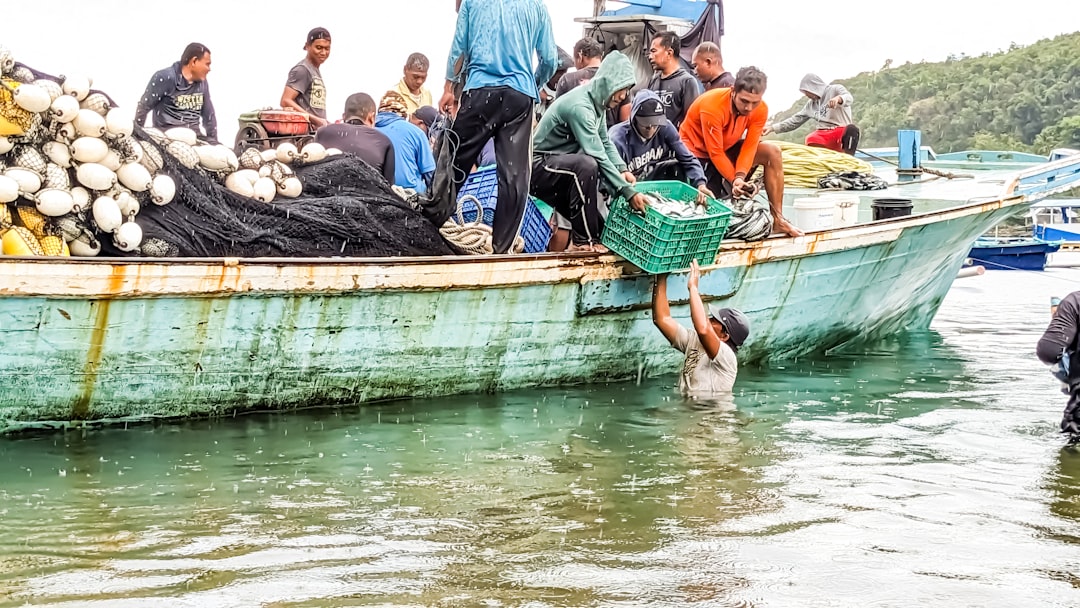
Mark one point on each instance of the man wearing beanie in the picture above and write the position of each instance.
(710, 346)
(414, 164)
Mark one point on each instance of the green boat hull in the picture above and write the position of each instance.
(130, 356)
(97, 340)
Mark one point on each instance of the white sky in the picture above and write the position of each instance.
(120, 43)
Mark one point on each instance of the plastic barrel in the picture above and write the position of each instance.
(887, 208)
(814, 214)
(847, 208)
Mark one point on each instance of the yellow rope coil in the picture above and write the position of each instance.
(805, 165)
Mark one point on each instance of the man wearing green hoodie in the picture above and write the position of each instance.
(571, 152)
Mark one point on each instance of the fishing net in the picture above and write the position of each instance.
(347, 209)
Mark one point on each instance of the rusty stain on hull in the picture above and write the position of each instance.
(80, 410)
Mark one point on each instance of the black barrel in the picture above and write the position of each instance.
(886, 208)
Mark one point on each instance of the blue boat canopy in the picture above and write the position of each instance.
(690, 10)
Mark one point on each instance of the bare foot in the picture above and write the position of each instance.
(782, 225)
(587, 248)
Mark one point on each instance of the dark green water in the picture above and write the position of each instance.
(926, 472)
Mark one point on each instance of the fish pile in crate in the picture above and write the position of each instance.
(671, 207)
(74, 170)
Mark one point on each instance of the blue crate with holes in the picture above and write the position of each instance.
(484, 185)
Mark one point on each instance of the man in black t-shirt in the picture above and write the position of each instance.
(357, 135)
(708, 64)
(179, 95)
(587, 57)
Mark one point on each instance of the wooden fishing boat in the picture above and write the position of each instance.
(135, 339)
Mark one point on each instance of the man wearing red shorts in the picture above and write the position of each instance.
(830, 106)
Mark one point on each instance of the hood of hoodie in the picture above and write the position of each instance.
(639, 99)
(615, 74)
(812, 83)
(385, 118)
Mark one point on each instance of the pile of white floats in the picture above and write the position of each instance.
(72, 171)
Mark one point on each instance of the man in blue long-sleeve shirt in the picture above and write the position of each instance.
(492, 55)
(179, 95)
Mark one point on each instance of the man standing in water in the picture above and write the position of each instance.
(492, 54)
(179, 95)
(304, 90)
(1058, 346)
(711, 347)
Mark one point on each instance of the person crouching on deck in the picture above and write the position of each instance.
(830, 106)
(650, 146)
(711, 347)
(571, 152)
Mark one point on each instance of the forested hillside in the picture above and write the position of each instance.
(1024, 99)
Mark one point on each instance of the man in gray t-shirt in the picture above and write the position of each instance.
(304, 90)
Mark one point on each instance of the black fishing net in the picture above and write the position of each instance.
(347, 209)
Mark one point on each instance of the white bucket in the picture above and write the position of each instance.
(847, 208)
(814, 214)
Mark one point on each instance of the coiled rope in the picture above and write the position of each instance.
(473, 238)
(805, 165)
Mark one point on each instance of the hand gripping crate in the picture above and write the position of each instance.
(657, 243)
(484, 185)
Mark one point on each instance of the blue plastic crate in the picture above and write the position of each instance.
(484, 185)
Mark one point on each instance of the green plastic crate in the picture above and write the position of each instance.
(657, 243)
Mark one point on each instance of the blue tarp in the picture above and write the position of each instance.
(689, 10)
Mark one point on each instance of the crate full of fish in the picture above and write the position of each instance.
(673, 230)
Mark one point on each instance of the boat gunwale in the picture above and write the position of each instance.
(915, 219)
(134, 278)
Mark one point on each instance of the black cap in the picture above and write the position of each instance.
(427, 114)
(650, 113)
(319, 33)
(735, 324)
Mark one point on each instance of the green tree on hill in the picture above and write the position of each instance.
(1024, 99)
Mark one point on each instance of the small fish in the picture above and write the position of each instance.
(674, 208)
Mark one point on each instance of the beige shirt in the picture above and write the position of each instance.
(700, 374)
(414, 102)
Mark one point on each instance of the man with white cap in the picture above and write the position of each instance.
(711, 347)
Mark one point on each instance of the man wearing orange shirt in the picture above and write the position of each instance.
(723, 130)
